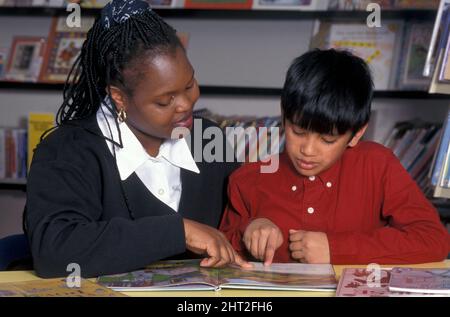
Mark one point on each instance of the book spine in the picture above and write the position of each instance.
(2, 154)
(441, 152)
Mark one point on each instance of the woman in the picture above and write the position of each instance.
(109, 189)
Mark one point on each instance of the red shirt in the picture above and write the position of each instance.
(366, 203)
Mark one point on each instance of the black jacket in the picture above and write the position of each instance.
(78, 212)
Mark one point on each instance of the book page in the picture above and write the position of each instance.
(282, 276)
(164, 275)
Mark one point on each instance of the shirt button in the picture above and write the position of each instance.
(312, 178)
(310, 210)
(329, 184)
(294, 188)
(161, 191)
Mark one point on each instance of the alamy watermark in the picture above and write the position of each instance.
(373, 19)
(235, 144)
(73, 280)
(73, 20)
(374, 277)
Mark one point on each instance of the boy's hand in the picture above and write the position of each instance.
(309, 247)
(203, 239)
(262, 237)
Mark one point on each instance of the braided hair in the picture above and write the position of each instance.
(105, 55)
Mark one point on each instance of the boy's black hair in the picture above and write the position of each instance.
(105, 54)
(328, 92)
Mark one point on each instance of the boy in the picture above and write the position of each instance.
(333, 198)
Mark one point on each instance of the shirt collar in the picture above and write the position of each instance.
(328, 177)
(133, 154)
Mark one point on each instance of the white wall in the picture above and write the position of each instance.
(224, 53)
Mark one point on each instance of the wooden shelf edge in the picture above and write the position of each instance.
(208, 90)
(13, 184)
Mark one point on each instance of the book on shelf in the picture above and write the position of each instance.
(301, 5)
(437, 49)
(417, 4)
(13, 153)
(440, 70)
(218, 4)
(55, 288)
(2, 154)
(250, 136)
(378, 46)
(94, 3)
(442, 188)
(416, 280)
(188, 275)
(152, 3)
(38, 123)
(412, 60)
(361, 282)
(3, 61)
(25, 58)
(384, 4)
(440, 171)
(415, 143)
(165, 3)
(35, 3)
(64, 46)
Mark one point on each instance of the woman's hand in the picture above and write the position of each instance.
(203, 239)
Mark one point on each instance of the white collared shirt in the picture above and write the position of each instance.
(160, 174)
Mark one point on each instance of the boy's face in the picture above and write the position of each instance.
(312, 153)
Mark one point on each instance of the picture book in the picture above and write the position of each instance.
(55, 288)
(414, 53)
(25, 58)
(188, 275)
(376, 46)
(64, 45)
(414, 280)
(360, 282)
(38, 123)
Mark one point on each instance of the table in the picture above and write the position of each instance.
(19, 276)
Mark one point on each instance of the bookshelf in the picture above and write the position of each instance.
(227, 78)
(421, 14)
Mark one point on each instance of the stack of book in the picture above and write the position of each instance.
(423, 150)
(437, 64)
(414, 143)
(17, 145)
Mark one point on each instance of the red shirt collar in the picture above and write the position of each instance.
(327, 177)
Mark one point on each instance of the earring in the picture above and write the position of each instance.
(122, 115)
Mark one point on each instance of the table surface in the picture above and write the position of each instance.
(20, 276)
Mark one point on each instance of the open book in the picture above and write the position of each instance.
(188, 275)
(431, 281)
